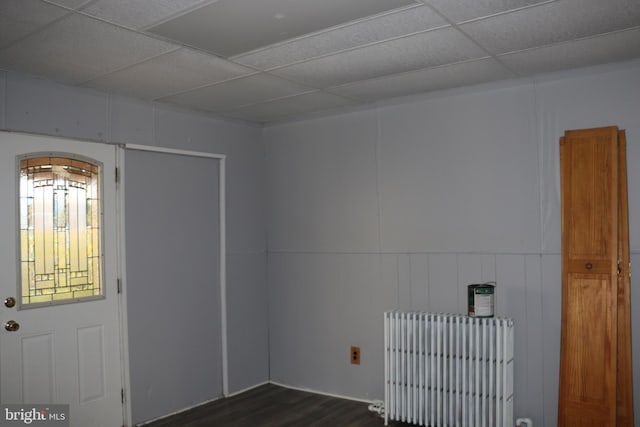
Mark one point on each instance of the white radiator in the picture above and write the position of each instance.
(445, 370)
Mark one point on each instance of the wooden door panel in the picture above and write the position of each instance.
(589, 346)
(589, 194)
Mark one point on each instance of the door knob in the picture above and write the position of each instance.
(12, 326)
(9, 302)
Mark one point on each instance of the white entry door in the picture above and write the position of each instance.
(60, 342)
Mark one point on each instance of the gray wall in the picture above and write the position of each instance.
(38, 106)
(404, 204)
(172, 233)
(398, 206)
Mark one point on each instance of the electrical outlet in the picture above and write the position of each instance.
(355, 355)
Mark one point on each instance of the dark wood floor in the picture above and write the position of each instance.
(274, 406)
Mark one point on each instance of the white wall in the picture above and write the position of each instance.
(39, 106)
(404, 204)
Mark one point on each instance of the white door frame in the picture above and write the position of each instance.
(120, 162)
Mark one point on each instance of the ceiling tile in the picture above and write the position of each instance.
(71, 4)
(618, 46)
(464, 10)
(380, 28)
(170, 73)
(429, 49)
(411, 83)
(230, 27)
(288, 107)
(236, 93)
(137, 14)
(285, 50)
(18, 18)
(77, 48)
(552, 23)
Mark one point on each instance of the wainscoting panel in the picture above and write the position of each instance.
(320, 303)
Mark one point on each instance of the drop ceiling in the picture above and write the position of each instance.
(271, 60)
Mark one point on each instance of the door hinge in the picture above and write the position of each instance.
(122, 395)
(119, 285)
(117, 175)
(619, 267)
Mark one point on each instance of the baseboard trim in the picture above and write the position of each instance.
(244, 390)
(355, 399)
(162, 417)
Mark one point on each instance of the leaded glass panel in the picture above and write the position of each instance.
(60, 230)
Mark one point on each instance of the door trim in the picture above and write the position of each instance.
(221, 158)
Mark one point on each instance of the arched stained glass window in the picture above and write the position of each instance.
(60, 230)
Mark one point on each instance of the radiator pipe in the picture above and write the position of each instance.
(377, 406)
(527, 422)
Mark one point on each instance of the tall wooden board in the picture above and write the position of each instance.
(625, 416)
